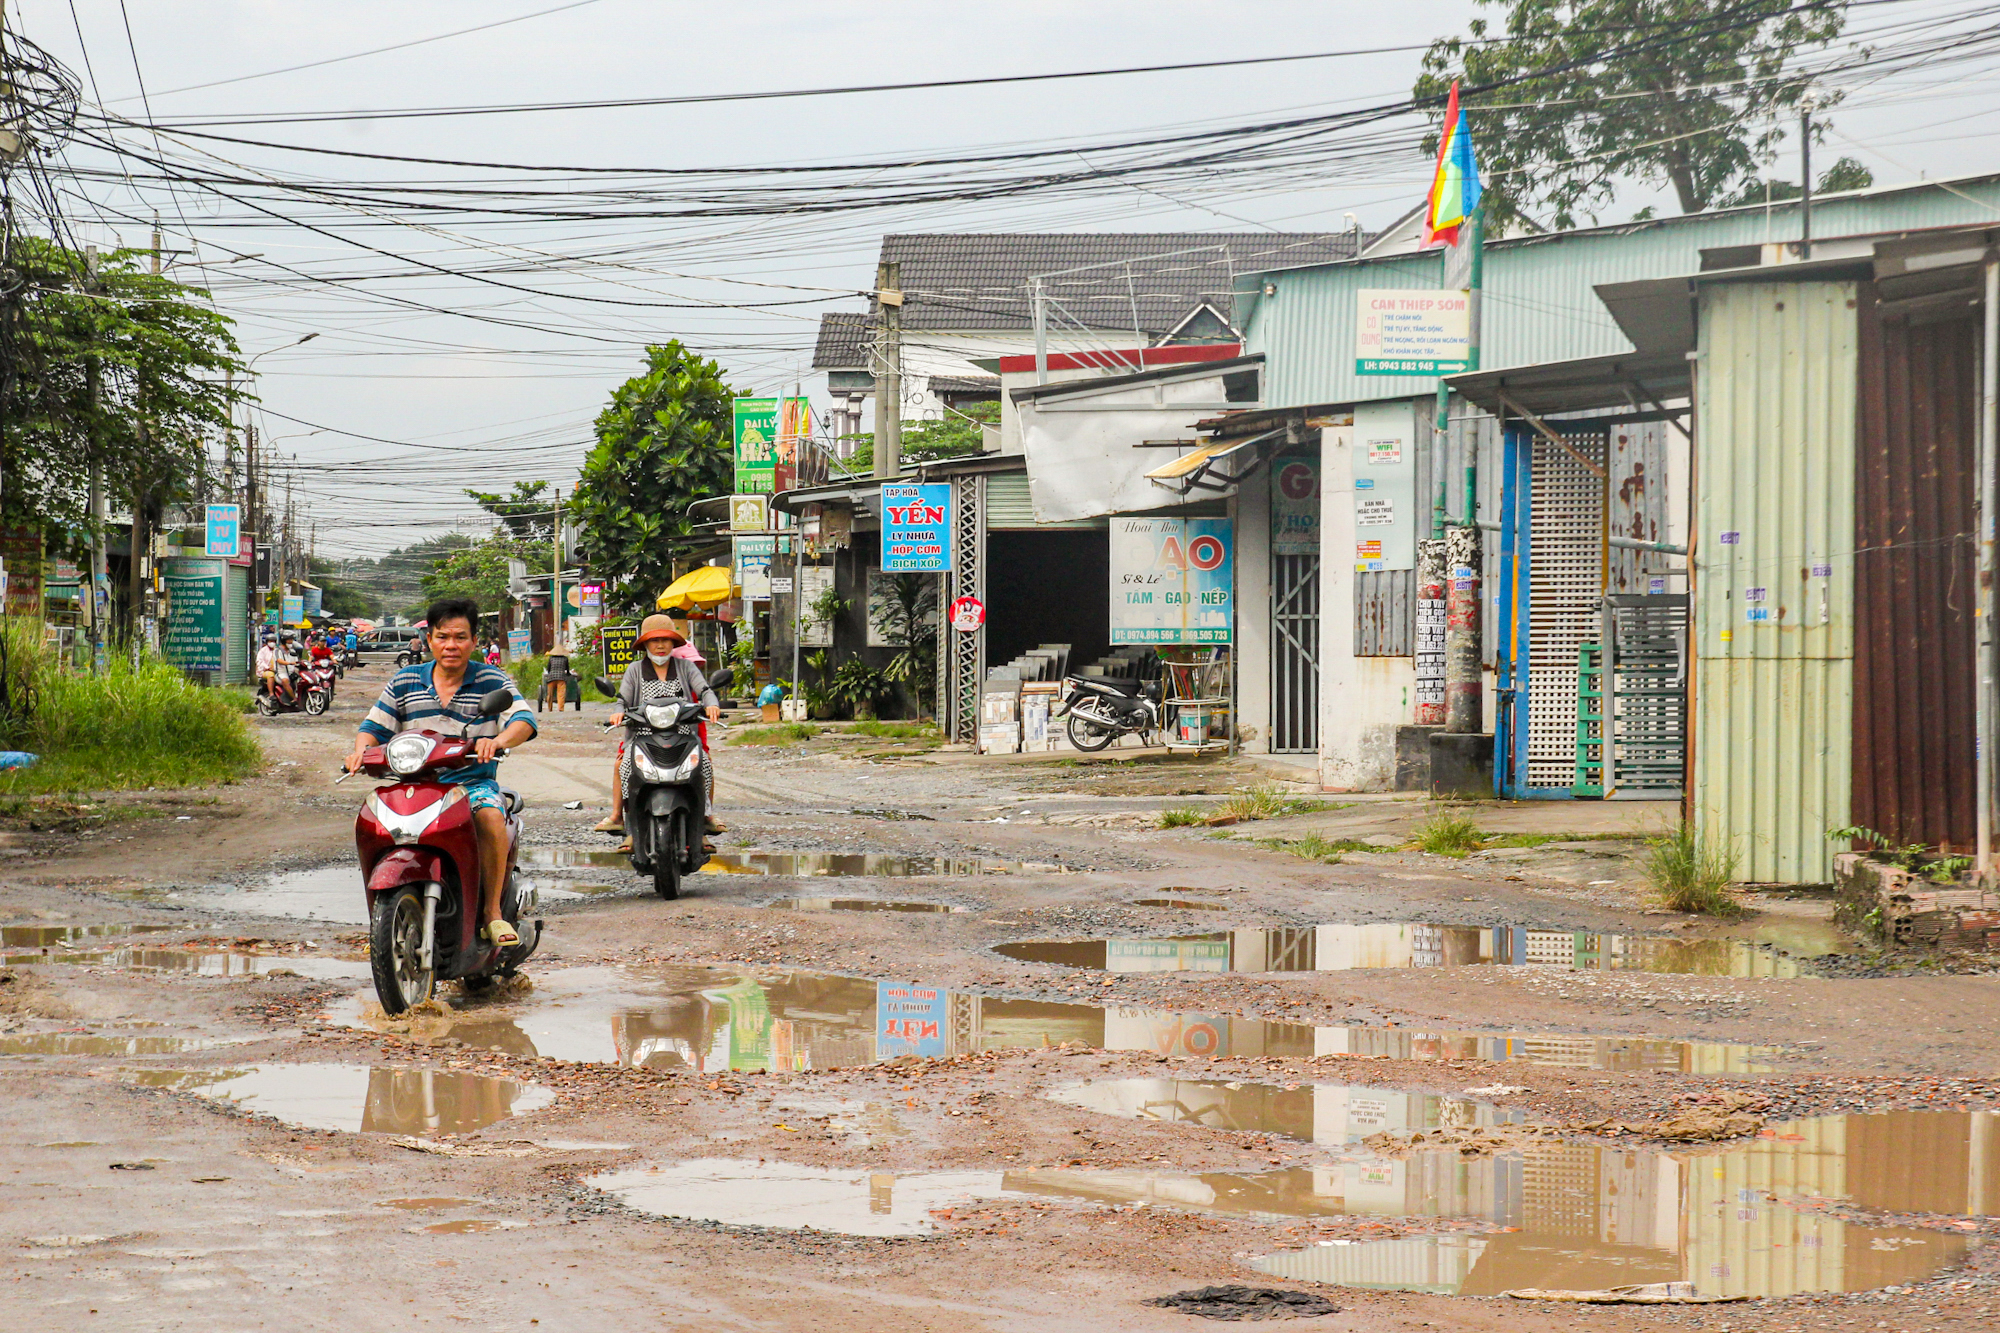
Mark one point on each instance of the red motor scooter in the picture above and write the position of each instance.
(420, 861)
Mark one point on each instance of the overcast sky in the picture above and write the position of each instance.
(519, 401)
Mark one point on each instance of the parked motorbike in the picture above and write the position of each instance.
(312, 692)
(419, 858)
(1100, 712)
(666, 804)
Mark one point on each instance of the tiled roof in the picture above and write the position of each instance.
(942, 384)
(980, 281)
(843, 342)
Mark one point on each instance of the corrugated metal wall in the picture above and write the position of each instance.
(1774, 574)
(1539, 302)
(1008, 506)
(1914, 773)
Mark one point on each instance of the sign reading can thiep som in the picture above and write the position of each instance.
(1412, 332)
(914, 536)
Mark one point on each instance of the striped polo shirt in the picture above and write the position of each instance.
(410, 703)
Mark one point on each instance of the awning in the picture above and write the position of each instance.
(707, 586)
(1204, 468)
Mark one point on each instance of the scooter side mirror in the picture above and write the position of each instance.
(721, 678)
(606, 686)
(496, 702)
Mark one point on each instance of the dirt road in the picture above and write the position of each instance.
(942, 1043)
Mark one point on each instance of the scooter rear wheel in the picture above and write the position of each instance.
(395, 951)
(1087, 733)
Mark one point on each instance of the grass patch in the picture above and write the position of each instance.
(132, 727)
(1319, 847)
(1267, 800)
(785, 733)
(1182, 816)
(1690, 874)
(893, 731)
(1445, 834)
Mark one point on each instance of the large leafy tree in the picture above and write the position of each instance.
(479, 571)
(662, 444)
(119, 366)
(528, 514)
(1691, 95)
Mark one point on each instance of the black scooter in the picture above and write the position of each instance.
(666, 803)
(1099, 712)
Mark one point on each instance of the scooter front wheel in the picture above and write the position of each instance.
(668, 831)
(317, 701)
(396, 950)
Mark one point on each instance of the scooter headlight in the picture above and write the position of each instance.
(406, 753)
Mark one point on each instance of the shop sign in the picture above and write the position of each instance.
(222, 526)
(755, 432)
(194, 638)
(915, 535)
(620, 648)
(749, 513)
(967, 614)
(520, 644)
(752, 558)
(1401, 331)
(291, 609)
(1170, 580)
(813, 582)
(1295, 507)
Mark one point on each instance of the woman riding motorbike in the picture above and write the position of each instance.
(658, 675)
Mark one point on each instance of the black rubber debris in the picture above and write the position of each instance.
(1246, 1303)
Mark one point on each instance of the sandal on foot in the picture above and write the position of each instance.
(717, 826)
(626, 846)
(609, 824)
(501, 935)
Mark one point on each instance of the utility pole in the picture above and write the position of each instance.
(257, 538)
(889, 378)
(1041, 318)
(156, 245)
(555, 576)
(98, 606)
(1805, 179)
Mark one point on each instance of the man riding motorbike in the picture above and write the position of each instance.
(658, 675)
(447, 691)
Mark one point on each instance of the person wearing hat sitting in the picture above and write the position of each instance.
(658, 675)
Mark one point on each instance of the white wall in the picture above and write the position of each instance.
(1251, 509)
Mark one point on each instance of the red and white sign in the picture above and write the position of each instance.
(967, 614)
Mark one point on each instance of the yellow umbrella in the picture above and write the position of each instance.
(706, 586)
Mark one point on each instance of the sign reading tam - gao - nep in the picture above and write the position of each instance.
(915, 539)
(756, 436)
(1412, 331)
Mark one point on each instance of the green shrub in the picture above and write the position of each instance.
(527, 673)
(1689, 874)
(1268, 801)
(1447, 834)
(144, 726)
(1182, 816)
(895, 730)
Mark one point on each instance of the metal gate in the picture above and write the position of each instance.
(1294, 654)
(1552, 585)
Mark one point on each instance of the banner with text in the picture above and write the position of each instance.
(755, 431)
(915, 537)
(1170, 580)
(195, 638)
(1412, 331)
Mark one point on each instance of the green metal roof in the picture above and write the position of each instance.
(1539, 299)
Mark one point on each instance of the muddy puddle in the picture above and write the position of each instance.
(1310, 1112)
(58, 937)
(719, 1018)
(1335, 948)
(328, 893)
(358, 1098)
(1581, 1216)
(804, 865)
(1181, 904)
(209, 963)
(101, 1043)
(775, 1194)
(860, 905)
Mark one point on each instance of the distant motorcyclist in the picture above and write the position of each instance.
(658, 675)
(271, 669)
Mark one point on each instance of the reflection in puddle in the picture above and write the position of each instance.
(569, 857)
(467, 1225)
(45, 937)
(1311, 1113)
(1180, 904)
(860, 905)
(775, 1194)
(329, 893)
(716, 1018)
(856, 865)
(99, 1043)
(211, 963)
(1334, 948)
(1591, 1217)
(424, 1205)
(358, 1098)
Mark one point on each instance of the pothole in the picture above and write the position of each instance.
(797, 1198)
(326, 893)
(358, 1098)
(1334, 948)
(214, 963)
(1309, 1112)
(711, 1018)
(860, 905)
(101, 1043)
(48, 937)
(1180, 904)
(1584, 1217)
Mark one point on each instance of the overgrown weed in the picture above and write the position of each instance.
(1446, 834)
(1689, 873)
(784, 733)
